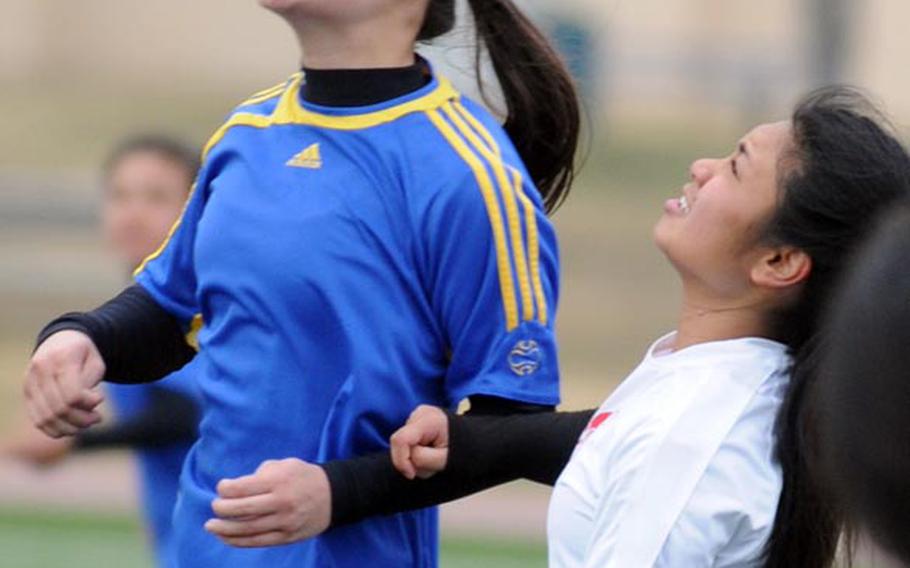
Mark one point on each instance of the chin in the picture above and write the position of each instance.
(279, 6)
(669, 242)
(661, 235)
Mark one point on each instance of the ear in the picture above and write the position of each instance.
(781, 267)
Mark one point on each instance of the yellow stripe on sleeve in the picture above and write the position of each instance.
(192, 336)
(492, 154)
(506, 283)
(514, 221)
(533, 245)
(479, 127)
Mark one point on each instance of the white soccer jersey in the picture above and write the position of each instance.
(676, 468)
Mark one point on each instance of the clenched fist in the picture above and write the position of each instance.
(420, 448)
(60, 383)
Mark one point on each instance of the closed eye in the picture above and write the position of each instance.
(741, 150)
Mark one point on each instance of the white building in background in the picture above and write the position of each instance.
(650, 56)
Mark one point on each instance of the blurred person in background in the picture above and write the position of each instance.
(706, 455)
(362, 239)
(146, 181)
(864, 392)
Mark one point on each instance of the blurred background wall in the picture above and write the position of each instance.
(727, 54)
(665, 81)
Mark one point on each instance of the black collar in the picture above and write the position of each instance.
(363, 87)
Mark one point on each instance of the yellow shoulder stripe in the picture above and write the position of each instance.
(239, 119)
(289, 111)
(533, 245)
(279, 87)
(271, 92)
(516, 183)
(506, 283)
(509, 199)
(476, 124)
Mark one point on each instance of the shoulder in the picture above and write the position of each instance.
(463, 158)
(259, 111)
(732, 509)
(266, 100)
(745, 463)
(466, 136)
(744, 470)
(648, 411)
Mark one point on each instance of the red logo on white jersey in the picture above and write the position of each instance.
(595, 423)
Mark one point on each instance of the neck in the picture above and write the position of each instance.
(703, 319)
(361, 87)
(364, 45)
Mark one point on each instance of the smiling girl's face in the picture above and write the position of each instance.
(712, 232)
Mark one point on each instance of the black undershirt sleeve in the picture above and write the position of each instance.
(485, 450)
(169, 418)
(484, 405)
(138, 340)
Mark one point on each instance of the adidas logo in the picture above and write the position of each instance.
(309, 158)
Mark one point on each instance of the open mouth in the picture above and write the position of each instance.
(684, 204)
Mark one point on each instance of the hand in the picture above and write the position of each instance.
(283, 502)
(421, 447)
(59, 384)
(34, 447)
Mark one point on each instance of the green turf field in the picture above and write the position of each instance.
(51, 540)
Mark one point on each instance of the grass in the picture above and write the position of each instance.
(48, 539)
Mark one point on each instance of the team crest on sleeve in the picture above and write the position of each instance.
(525, 358)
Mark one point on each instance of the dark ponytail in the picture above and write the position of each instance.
(543, 109)
(844, 169)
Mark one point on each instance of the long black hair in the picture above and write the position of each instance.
(543, 108)
(845, 167)
(863, 392)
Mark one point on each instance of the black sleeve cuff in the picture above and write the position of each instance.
(139, 341)
(66, 322)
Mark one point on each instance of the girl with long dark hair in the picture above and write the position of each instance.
(706, 454)
(361, 239)
(760, 240)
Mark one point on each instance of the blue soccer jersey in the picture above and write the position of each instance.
(350, 264)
